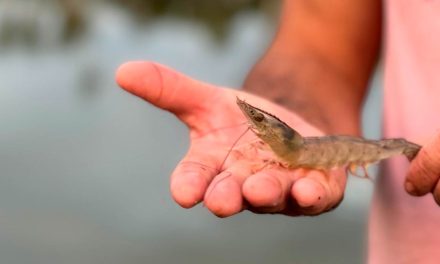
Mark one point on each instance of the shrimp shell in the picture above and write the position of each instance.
(325, 152)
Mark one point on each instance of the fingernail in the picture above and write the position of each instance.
(409, 187)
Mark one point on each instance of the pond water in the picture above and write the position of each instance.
(85, 166)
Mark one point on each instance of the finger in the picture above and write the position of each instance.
(162, 86)
(191, 178)
(224, 197)
(268, 190)
(424, 170)
(436, 193)
(318, 192)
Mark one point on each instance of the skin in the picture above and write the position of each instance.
(316, 69)
(240, 185)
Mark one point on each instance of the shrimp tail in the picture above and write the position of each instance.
(411, 151)
(408, 149)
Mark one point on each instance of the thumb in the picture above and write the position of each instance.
(424, 170)
(163, 87)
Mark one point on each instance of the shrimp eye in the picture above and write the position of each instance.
(258, 117)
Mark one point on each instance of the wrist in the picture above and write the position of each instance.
(312, 88)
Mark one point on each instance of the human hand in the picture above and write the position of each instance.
(243, 181)
(424, 172)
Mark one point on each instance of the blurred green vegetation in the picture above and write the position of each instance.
(25, 21)
(215, 14)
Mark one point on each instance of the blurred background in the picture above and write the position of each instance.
(84, 166)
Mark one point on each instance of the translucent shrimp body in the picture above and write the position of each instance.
(325, 152)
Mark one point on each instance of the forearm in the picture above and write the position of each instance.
(320, 61)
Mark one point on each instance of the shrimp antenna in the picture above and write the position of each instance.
(232, 147)
(224, 160)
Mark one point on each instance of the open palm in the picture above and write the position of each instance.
(243, 181)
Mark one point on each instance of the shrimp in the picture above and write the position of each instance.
(322, 153)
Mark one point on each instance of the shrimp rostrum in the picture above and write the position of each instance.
(323, 153)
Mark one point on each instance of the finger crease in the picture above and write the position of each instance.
(161, 83)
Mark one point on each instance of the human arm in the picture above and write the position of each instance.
(320, 61)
